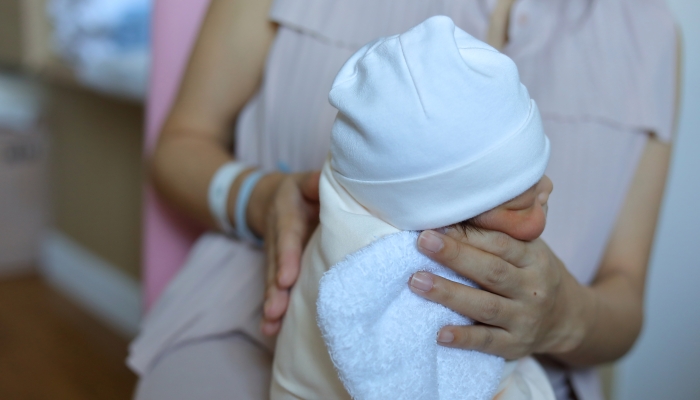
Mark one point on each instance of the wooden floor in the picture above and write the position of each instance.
(51, 349)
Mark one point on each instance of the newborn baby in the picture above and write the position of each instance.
(434, 130)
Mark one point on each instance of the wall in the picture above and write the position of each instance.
(665, 362)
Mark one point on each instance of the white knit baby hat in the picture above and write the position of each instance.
(434, 127)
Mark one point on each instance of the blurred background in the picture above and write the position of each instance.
(73, 77)
(73, 80)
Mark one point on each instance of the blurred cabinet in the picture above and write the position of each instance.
(96, 172)
(23, 205)
(24, 34)
(95, 165)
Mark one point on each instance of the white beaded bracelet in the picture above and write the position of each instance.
(219, 187)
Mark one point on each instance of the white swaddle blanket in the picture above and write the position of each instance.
(434, 127)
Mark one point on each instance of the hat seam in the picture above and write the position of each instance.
(377, 42)
(479, 48)
(415, 86)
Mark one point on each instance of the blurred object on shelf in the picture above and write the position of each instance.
(107, 42)
(24, 34)
(23, 186)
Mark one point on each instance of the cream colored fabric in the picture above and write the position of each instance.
(302, 367)
(524, 379)
(497, 35)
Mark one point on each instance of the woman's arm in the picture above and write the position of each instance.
(616, 296)
(224, 71)
(531, 303)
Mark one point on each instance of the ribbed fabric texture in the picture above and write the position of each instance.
(619, 43)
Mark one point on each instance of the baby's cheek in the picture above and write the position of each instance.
(531, 226)
(523, 225)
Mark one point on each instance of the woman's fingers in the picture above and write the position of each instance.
(284, 238)
(270, 328)
(270, 244)
(291, 218)
(309, 186)
(291, 235)
(520, 306)
(297, 217)
(486, 269)
(496, 243)
(271, 289)
(482, 338)
(276, 303)
(476, 304)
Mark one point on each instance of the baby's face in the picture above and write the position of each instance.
(523, 217)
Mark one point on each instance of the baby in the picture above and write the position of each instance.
(434, 129)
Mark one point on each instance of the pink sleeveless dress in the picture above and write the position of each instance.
(601, 71)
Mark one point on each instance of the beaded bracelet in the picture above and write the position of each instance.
(219, 188)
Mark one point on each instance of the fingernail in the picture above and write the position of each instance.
(429, 241)
(283, 277)
(445, 336)
(421, 281)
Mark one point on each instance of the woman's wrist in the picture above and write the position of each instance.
(577, 321)
(259, 201)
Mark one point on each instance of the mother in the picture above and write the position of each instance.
(603, 74)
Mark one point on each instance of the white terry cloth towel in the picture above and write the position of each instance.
(381, 336)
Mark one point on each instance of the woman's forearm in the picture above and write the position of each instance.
(610, 314)
(224, 70)
(611, 310)
(181, 169)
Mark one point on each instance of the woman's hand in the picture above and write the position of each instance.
(289, 217)
(529, 302)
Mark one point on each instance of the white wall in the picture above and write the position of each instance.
(665, 363)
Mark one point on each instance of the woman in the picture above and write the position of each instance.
(603, 74)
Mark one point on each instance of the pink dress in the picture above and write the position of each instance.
(601, 71)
